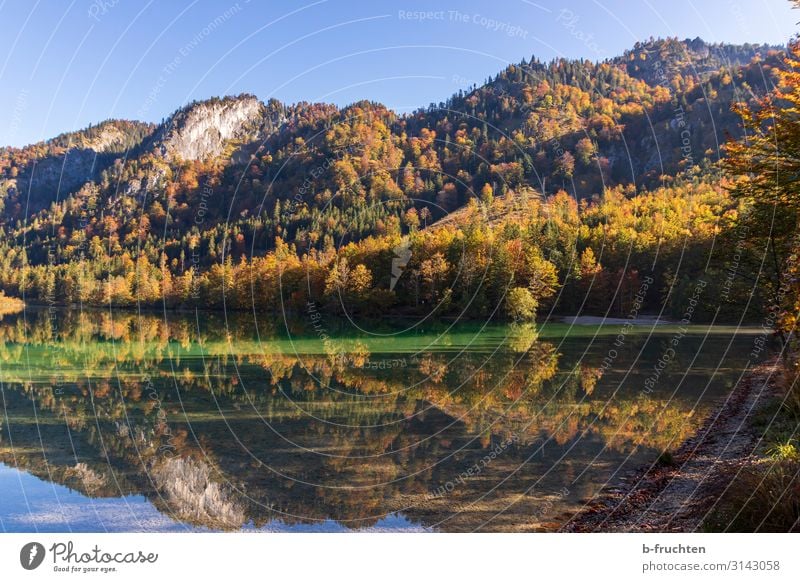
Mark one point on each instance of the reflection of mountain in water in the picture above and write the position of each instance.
(491, 428)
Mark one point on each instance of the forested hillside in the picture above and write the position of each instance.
(560, 186)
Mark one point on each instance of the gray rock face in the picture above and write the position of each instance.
(203, 130)
(109, 139)
(191, 494)
(71, 160)
(55, 178)
(70, 171)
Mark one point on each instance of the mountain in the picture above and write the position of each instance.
(201, 131)
(659, 61)
(234, 176)
(33, 176)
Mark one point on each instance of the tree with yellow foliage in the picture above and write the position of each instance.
(766, 167)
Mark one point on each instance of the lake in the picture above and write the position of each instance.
(118, 421)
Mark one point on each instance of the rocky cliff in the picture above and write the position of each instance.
(203, 130)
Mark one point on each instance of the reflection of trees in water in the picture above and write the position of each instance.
(310, 436)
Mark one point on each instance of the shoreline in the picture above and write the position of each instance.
(643, 320)
(676, 494)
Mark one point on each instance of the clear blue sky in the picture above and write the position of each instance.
(66, 63)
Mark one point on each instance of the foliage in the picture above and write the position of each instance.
(766, 164)
(526, 182)
(521, 305)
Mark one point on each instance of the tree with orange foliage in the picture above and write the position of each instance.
(766, 167)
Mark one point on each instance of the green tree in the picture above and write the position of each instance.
(521, 305)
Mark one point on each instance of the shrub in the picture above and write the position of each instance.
(521, 305)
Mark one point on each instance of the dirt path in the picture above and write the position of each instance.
(677, 496)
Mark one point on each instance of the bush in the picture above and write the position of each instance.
(521, 305)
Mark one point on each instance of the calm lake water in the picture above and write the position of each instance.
(131, 422)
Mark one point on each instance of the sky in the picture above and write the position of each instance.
(67, 63)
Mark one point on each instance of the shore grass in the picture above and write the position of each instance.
(764, 493)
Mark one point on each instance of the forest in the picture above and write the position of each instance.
(552, 188)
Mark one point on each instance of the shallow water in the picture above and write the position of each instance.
(125, 422)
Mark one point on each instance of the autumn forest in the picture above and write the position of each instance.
(552, 188)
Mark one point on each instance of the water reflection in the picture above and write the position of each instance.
(216, 424)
